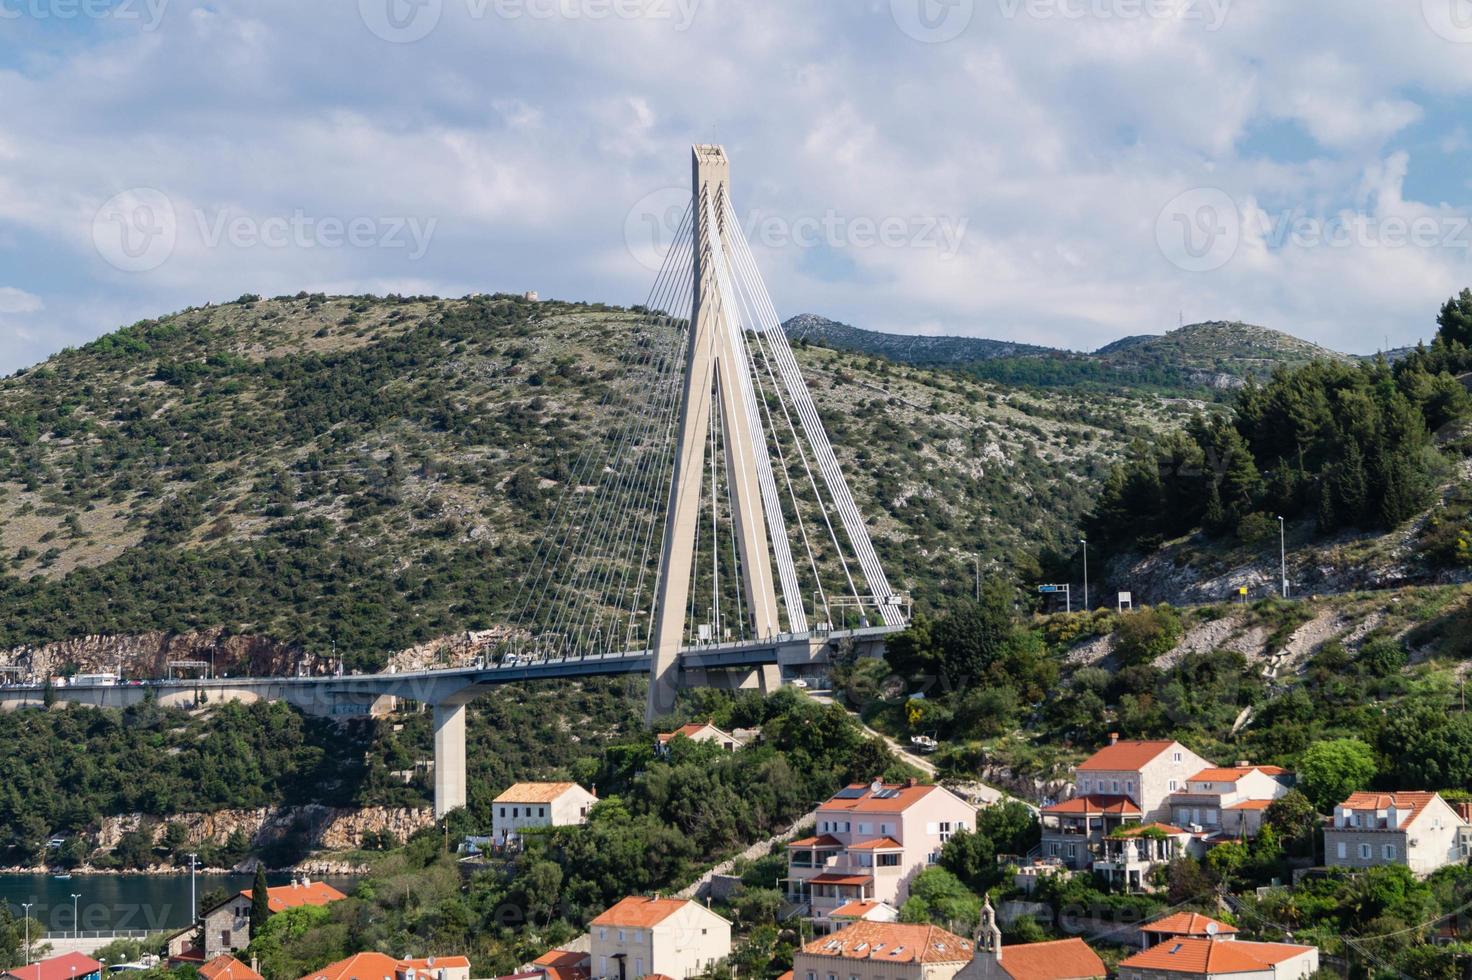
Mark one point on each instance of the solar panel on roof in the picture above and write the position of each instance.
(849, 793)
(886, 794)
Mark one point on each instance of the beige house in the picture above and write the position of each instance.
(1062, 959)
(1221, 959)
(697, 732)
(871, 840)
(1126, 857)
(883, 951)
(1419, 830)
(669, 936)
(1229, 801)
(226, 927)
(1183, 925)
(532, 805)
(379, 966)
(1123, 783)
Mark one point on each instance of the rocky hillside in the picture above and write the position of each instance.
(905, 349)
(281, 478)
(1215, 356)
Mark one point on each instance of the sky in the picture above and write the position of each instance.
(1062, 172)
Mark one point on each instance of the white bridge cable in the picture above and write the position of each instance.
(593, 565)
(559, 527)
(603, 603)
(736, 328)
(853, 521)
(577, 534)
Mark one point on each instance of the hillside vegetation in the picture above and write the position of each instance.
(365, 474)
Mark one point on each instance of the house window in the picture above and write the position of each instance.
(1087, 785)
(515, 812)
(864, 828)
(1114, 785)
(1341, 850)
(889, 860)
(503, 812)
(541, 811)
(1176, 757)
(1365, 852)
(812, 975)
(1172, 785)
(638, 966)
(603, 966)
(1129, 786)
(620, 935)
(1388, 851)
(603, 933)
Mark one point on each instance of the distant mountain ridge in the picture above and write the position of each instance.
(1214, 354)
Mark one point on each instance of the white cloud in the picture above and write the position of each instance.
(14, 300)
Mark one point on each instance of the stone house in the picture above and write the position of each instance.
(532, 805)
(1419, 830)
(883, 951)
(674, 937)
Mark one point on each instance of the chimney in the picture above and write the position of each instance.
(1114, 738)
(1464, 810)
(255, 966)
(1243, 764)
(876, 785)
(909, 782)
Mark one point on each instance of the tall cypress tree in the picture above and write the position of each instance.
(260, 902)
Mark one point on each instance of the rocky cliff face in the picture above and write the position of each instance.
(148, 655)
(325, 827)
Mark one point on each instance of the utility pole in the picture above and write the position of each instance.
(1283, 554)
(193, 903)
(26, 908)
(76, 917)
(1085, 543)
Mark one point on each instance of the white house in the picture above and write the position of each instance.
(669, 936)
(697, 732)
(532, 805)
(1419, 830)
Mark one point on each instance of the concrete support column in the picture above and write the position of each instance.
(449, 758)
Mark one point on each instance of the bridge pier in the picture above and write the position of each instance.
(449, 758)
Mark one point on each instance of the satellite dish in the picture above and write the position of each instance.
(1212, 928)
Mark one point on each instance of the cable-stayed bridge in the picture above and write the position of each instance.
(706, 535)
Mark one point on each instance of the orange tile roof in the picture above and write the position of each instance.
(379, 966)
(892, 942)
(1125, 756)
(1205, 956)
(897, 798)
(836, 878)
(533, 792)
(822, 840)
(1138, 829)
(296, 894)
(1188, 924)
(638, 912)
(786, 976)
(1081, 805)
(878, 844)
(1230, 774)
(1062, 959)
(227, 967)
(564, 964)
(858, 909)
(63, 967)
(359, 966)
(436, 962)
(1412, 802)
(690, 731)
(1249, 805)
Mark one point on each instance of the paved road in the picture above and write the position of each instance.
(977, 792)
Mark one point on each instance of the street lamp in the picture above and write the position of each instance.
(1283, 554)
(26, 907)
(1085, 543)
(76, 918)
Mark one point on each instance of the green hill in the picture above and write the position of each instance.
(375, 473)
